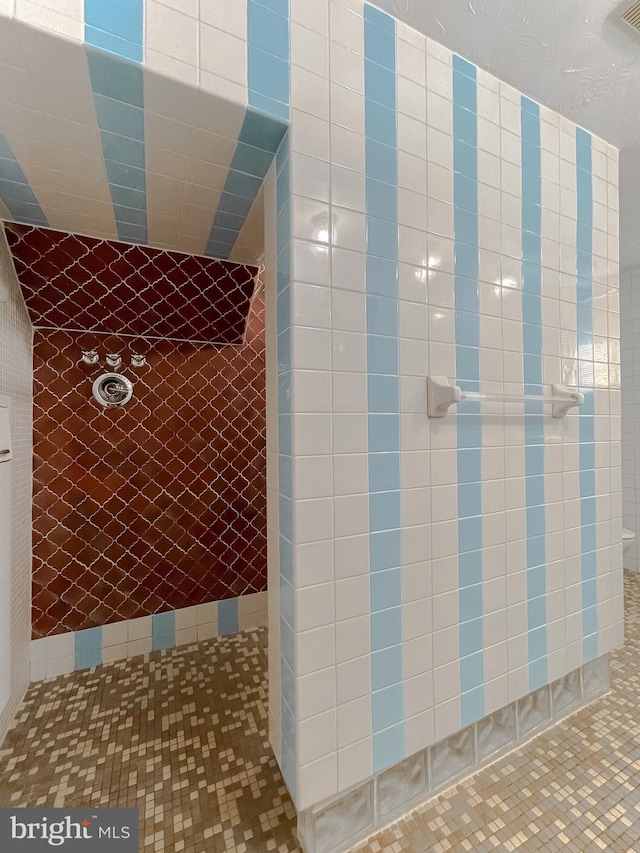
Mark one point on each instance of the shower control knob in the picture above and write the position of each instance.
(90, 356)
(114, 359)
(137, 360)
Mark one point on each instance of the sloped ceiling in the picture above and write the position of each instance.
(93, 144)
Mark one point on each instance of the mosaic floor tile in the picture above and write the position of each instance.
(182, 735)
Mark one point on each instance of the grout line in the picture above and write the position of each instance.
(43, 329)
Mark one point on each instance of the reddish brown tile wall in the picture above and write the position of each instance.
(157, 505)
(81, 283)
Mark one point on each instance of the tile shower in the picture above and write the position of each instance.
(429, 582)
(158, 506)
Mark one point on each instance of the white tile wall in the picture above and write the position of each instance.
(427, 339)
(63, 17)
(273, 558)
(15, 382)
(630, 419)
(56, 655)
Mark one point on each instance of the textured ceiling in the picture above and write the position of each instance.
(574, 56)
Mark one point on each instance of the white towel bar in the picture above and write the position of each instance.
(442, 393)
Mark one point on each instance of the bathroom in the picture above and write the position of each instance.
(354, 529)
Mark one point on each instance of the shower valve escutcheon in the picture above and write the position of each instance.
(114, 359)
(90, 356)
(112, 390)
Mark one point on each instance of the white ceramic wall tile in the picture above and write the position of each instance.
(55, 655)
(64, 18)
(15, 383)
(353, 639)
(354, 763)
(171, 33)
(222, 55)
(318, 780)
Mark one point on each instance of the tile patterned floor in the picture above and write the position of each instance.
(182, 735)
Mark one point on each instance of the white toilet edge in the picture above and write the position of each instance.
(627, 534)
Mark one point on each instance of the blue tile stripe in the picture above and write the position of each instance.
(15, 191)
(383, 388)
(88, 648)
(469, 423)
(118, 94)
(163, 630)
(115, 26)
(268, 69)
(584, 257)
(268, 63)
(259, 139)
(288, 761)
(228, 620)
(532, 369)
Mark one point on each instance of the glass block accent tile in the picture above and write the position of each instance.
(534, 710)
(496, 732)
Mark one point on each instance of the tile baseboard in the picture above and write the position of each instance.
(61, 654)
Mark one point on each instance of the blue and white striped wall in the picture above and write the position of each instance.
(429, 220)
(383, 388)
(106, 134)
(532, 346)
(469, 420)
(442, 569)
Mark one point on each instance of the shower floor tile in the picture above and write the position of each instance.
(182, 735)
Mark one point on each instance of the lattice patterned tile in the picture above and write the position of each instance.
(73, 282)
(157, 505)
